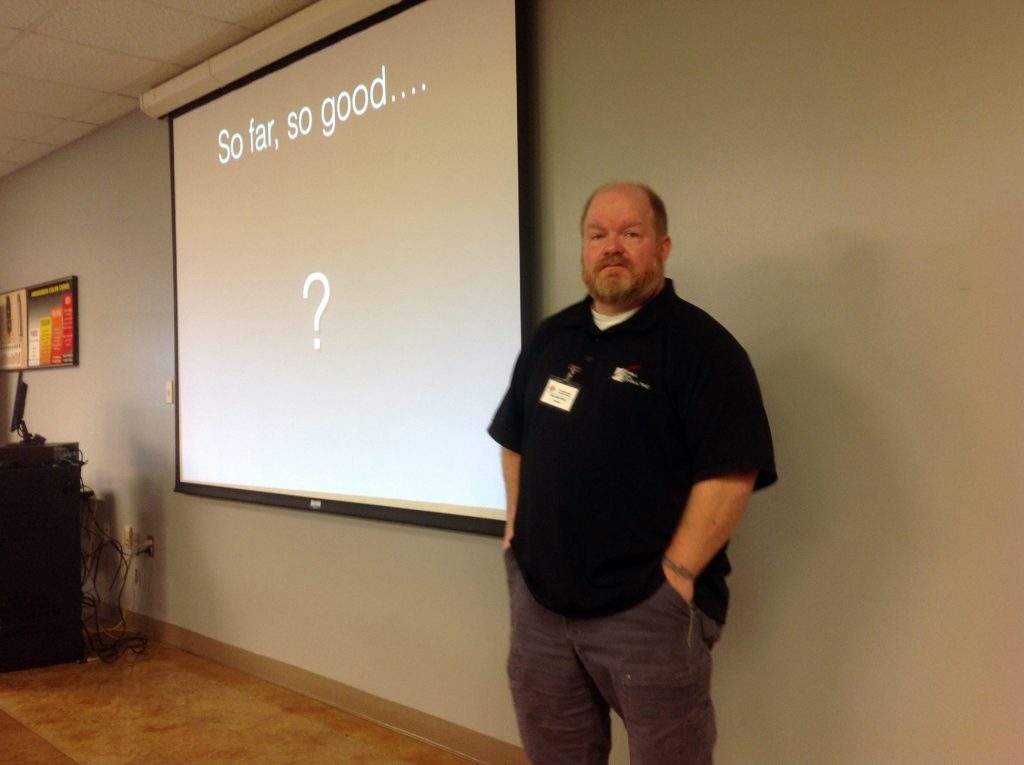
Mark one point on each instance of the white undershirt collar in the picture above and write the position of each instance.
(607, 322)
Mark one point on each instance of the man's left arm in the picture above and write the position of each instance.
(710, 517)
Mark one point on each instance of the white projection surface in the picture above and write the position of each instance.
(347, 267)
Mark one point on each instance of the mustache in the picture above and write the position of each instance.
(611, 260)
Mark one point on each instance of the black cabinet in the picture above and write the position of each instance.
(40, 565)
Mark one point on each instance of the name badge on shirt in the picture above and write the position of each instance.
(559, 394)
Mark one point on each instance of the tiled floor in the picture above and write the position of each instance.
(168, 706)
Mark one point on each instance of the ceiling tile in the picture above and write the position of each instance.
(107, 109)
(7, 36)
(68, 63)
(22, 14)
(158, 74)
(252, 14)
(142, 29)
(24, 126)
(26, 151)
(262, 19)
(21, 94)
(66, 132)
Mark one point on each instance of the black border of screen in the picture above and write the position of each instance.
(528, 286)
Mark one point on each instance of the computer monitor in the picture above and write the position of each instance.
(18, 414)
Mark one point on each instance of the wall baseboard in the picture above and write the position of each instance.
(464, 742)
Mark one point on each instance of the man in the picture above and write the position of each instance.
(632, 436)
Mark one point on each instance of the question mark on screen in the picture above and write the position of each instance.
(316, 276)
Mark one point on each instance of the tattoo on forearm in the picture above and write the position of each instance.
(683, 571)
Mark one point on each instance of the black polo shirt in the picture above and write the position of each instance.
(663, 400)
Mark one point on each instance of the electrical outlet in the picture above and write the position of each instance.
(128, 538)
(148, 547)
(169, 391)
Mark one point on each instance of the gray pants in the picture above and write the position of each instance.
(651, 664)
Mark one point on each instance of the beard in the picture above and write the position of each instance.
(623, 288)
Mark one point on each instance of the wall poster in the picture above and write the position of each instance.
(13, 330)
(39, 325)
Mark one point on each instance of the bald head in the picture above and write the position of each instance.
(656, 204)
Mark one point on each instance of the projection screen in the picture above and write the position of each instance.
(348, 271)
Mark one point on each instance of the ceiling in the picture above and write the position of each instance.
(70, 66)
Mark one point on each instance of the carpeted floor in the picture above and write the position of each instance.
(168, 706)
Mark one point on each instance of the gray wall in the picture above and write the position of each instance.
(846, 193)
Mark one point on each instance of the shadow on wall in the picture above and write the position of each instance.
(818, 555)
(128, 482)
(150, 593)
